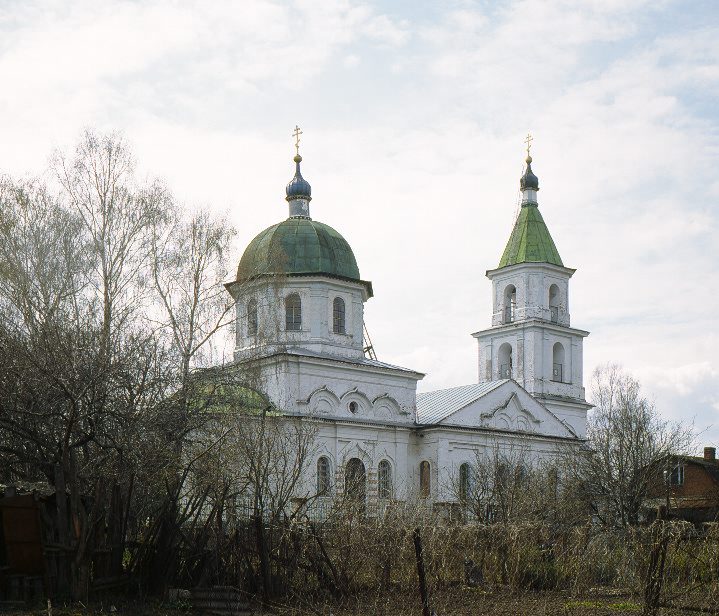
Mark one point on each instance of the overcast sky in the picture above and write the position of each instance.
(414, 115)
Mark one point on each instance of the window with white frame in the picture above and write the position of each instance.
(676, 477)
(384, 480)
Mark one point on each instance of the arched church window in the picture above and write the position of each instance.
(252, 317)
(356, 481)
(323, 475)
(501, 476)
(465, 482)
(424, 479)
(510, 303)
(384, 480)
(293, 313)
(554, 303)
(558, 362)
(504, 358)
(338, 316)
(521, 475)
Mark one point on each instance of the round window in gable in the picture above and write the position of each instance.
(353, 407)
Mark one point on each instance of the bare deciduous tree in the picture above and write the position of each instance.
(627, 440)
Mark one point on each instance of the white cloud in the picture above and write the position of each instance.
(683, 379)
(351, 60)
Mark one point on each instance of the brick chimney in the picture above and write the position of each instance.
(710, 454)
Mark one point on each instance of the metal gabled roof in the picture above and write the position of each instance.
(435, 406)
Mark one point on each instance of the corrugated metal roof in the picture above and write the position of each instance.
(434, 406)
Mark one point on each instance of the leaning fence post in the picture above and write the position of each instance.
(420, 572)
(655, 568)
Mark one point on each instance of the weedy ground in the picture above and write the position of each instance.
(461, 601)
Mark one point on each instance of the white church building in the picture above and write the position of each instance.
(299, 307)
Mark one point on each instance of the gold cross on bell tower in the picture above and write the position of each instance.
(296, 134)
(528, 141)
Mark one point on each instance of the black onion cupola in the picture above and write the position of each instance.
(298, 188)
(299, 191)
(529, 181)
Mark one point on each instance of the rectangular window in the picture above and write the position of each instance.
(293, 313)
(505, 371)
(338, 316)
(557, 373)
(554, 314)
(677, 476)
(294, 320)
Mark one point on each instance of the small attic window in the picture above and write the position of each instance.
(352, 406)
(676, 477)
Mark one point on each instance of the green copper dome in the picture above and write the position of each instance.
(299, 246)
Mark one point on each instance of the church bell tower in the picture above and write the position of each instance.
(531, 339)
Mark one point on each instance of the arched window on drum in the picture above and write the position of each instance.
(293, 313)
(338, 316)
(252, 317)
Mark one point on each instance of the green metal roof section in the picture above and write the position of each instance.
(298, 246)
(213, 390)
(530, 241)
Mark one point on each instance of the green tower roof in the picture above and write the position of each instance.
(530, 241)
(299, 246)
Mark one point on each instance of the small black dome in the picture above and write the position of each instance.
(529, 180)
(298, 188)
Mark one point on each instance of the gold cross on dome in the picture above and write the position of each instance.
(528, 141)
(296, 134)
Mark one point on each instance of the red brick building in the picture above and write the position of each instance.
(689, 487)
